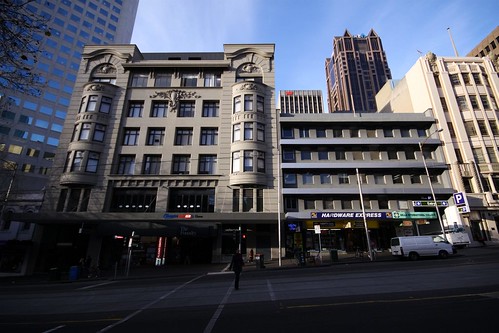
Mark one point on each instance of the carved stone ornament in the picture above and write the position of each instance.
(248, 86)
(432, 59)
(250, 68)
(173, 96)
(105, 69)
(95, 87)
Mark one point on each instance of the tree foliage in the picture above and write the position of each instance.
(21, 34)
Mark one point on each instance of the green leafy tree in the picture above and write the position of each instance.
(21, 34)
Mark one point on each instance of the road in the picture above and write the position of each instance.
(459, 294)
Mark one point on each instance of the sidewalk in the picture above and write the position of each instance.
(199, 269)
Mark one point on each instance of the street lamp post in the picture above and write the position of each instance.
(421, 144)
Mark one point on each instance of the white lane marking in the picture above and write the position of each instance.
(217, 313)
(54, 329)
(96, 285)
(271, 291)
(145, 307)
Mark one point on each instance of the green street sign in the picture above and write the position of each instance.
(399, 214)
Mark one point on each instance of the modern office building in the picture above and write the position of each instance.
(325, 155)
(31, 126)
(463, 94)
(176, 149)
(488, 46)
(301, 101)
(355, 72)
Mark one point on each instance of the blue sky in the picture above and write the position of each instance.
(303, 30)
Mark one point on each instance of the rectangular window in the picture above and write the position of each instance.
(210, 109)
(126, 165)
(139, 80)
(236, 161)
(357, 154)
(474, 102)
(325, 178)
(248, 161)
(337, 133)
(323, 155)
(248, 131)
(163, 80)
(260, 132)
(260, 161)
(388, 133)
(85, 131)
(340, 154)
(288, 155)
(159, 109)
(320, 133)
(470, 128)
(482, 127)
(343, 178)
(209, 136)
(410, 154)
(247, 200)
(485, 102)
(183, 137)
(155, 136)
(186, 109)
(354, 133)
(152, 165)
(131, 137)
(371, 133)
(248, 102)
(397, 179)
(237, 104)
(392, 154)
(92, 103)
(492, 154)
(476, 78)
(375, 155)
(304, 132)
(289, 180)
(92, 162)
(207, 164)
(189, 80)
(135, 109)
(77, 160)
(181, 164)
(236, 133)
(105, 104)
(493, 127)
(260, 103)
(212, 80)
(478, 155)
(444, 104)
(415, 179)
(309, 204)
(99, 132)
(462, 103)
(307, 179)
(405, 133)
(379, 179)
(287, 133)
(454, 79)
(346, 204)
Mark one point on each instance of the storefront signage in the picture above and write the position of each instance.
(413, 215)
(349, 215)
(425, 203)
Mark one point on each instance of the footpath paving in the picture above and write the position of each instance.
(197, 269)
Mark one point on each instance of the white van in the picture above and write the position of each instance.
(421, 246)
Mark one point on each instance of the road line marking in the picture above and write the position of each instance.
(54, 329)
(217, 313)
(96, 285)
(145, 307)
(271, 291)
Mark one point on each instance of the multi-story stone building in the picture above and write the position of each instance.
(31, 126)
(488, 46)
(172, 148)
(355, 72)
(463, 94)
(325, 155)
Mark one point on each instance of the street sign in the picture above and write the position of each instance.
(460, 199)
(463, 209)
(430, 203)
(413, 215)
(317, 228)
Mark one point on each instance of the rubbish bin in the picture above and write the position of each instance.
(334, 255)
(54, 274)
(259, 260)
(74, 272)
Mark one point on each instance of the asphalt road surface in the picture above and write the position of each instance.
(459, 294)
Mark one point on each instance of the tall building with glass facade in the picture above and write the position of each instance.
(31, 126)
(355, 72)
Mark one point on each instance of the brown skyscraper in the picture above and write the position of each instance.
(355, 72)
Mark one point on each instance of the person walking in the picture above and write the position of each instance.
(236, 265)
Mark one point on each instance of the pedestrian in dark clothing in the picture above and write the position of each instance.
(236, 265)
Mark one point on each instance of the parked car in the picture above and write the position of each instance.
(414, 247)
